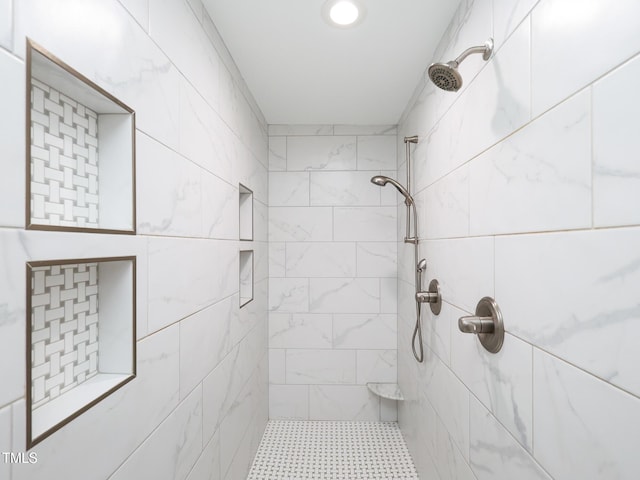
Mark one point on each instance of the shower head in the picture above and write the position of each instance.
(446, 75)
(381, 181)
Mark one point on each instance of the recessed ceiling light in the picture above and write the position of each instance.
(343, 13)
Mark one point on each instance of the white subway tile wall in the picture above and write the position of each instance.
(519, 176)
(332, 268)
(202, 381)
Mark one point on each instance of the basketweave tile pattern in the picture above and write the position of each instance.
(64, 160)
(64, 329)
(336, 450)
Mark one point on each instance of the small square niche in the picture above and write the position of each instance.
(246, 277)
(246, 212)
(81, 334)
(80, 151)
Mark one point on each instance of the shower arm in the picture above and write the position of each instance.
(485, 50)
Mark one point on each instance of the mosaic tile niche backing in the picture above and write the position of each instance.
(64, 160)
(64, 323)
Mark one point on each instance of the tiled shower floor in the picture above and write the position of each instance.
(315, 450)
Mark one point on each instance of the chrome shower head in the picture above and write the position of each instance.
(381, 181)
(446, 75)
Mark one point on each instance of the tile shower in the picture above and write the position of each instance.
(528, 190)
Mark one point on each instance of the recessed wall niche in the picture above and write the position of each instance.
(80, 151)
(81, 333)
(246, 212)
(246, 277)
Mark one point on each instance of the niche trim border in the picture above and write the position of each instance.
(29, 225)
(31, 440)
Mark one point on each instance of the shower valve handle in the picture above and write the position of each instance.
(432, 296)
(487, 323)
(474, 324)
(427, 297)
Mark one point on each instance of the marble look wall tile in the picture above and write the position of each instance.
(364, 224)
(377, 366)
(12, 136)
(616, 176)
(288, 189)
(501, 381)
(139, 10)
(560, 35)
(450, 399)
(5, 440)
(131, 66)
(507, 15)
(190, 51)
(300, 331)
(277, 365)
(445, 209)
(204, 342)
(300, 224)
(289, 294)
(494, 454)
(208, 465)
(343, 188)
(573, 438)
(205, 138)
(323, 259)
(244, 418)
(321, 153)
(338, 402)
(540, 177)
(365, 331)
(187, 275)
(277, 259)
(220, 209)
(299, 130)
(222, 387)
(495, 104)
(464, 268)
(573, 323)
(169, 191)
(260, 222)
(124, 419)
(388, 295)
(344, 295)
(289, 402)
(12, 319)
(311, 366)
(437, 330)
(449, 461)
(377, 259)
(236, 423)
(277, 154)
(253, 174)
(172, 450)
(6, 24)
(365, 130)
(377, 152)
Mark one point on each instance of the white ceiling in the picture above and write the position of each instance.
(303, 71)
